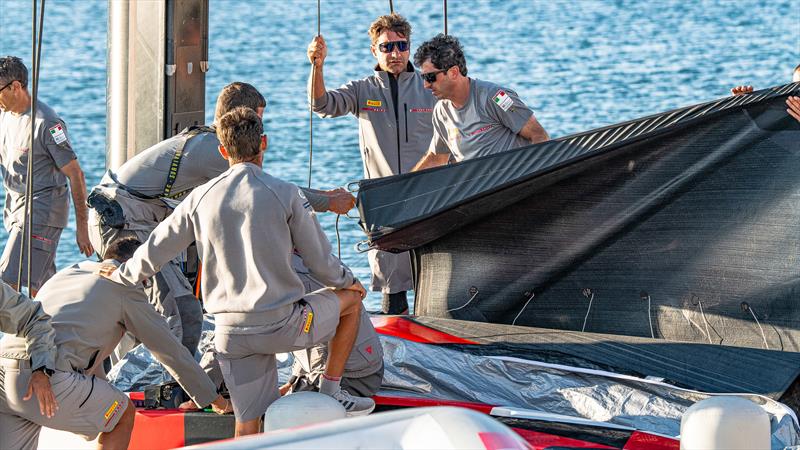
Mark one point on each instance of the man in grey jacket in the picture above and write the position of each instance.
(246, 224)
(55, 165)
(472, 118)
(394, 120)
(89, 315)
(133, 200)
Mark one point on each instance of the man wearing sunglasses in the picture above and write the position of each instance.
(394, 119)
(54, 165)
(473, 117)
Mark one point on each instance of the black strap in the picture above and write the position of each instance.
(188, 134)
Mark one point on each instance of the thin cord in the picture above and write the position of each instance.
(445, 17)
(587, 312)
(705, 322)
(763, 336)
(311, 105)
(650, 318)
(465, 304)
(523, 309)
(338, 240)
(391, 7)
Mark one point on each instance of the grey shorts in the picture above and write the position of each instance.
(247, 361)
(43, 246)
(87, 406)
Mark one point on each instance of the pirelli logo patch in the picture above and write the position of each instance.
(111, 411)
(309, 319)
(374, 103)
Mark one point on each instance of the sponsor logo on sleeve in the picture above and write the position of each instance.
(111, 411)
(374, 103)
(57, 131)
(503, 100)
(308, 317)
(421, 110)
(306, 203)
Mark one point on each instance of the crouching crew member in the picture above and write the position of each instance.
(133, 200)
(246, 224)
(363, 371)
(89, 315)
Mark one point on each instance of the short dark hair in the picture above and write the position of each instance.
(390, 22)
(239, 131)
(11, 69)
(238, 94)
(122, 249)
(444, 51)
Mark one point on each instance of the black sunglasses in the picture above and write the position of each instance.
(388, 47)
(7, 85)
(430, 77)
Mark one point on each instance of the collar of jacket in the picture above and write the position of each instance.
(384, 75)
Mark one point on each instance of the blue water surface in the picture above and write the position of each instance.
(580, 64)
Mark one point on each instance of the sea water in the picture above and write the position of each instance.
(579, 64)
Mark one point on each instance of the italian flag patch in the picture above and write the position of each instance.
(503, 100)
(58, 134)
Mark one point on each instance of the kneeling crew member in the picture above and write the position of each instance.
(89, 315)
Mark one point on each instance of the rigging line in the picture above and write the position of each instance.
(465, 304)
(338, 238)
(587, 312)
(763, 336)
(533, 294)
(650, 318)
(27, 223)
(445, 17)
(391, 7)
(705, 322)
(311, 105)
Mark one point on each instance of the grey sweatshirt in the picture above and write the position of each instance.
(246, 224)
(90, 314)
(389, 144)
(23, 317)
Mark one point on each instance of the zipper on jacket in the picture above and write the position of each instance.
(405, 112)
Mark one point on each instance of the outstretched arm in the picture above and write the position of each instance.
(534, 132)
(431, 159)
(77, 186)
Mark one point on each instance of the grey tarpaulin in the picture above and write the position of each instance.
(438, 372)
(683, 225)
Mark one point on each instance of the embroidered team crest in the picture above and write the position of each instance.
(374, 103)
(503, 100)
(57, 131)
(306, 203)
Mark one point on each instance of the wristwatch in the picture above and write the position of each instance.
(48, 372)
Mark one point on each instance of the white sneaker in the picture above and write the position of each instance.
(354, 405)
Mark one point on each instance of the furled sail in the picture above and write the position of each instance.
(683, 225)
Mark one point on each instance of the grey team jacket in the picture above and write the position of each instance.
(20, 316)
(246, 224)
(90, 314)
(389, 145)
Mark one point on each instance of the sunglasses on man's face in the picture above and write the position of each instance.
(388, 47)
(430, 77)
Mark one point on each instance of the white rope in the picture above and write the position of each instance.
(705, 322)
(587, 312)
(523, 309)
(650, 318)
(763, 336)
(465, 304)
